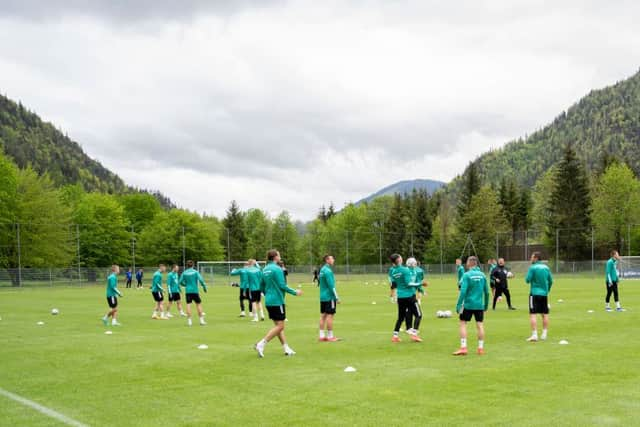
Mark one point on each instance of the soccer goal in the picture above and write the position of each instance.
(630, 267)
(219, 272)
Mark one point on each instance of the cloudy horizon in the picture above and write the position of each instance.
(290, 105)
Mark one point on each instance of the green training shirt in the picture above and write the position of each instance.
(460, 271)
(403, 278)
(242, 272)
(190, 279)
(474, 292)
(540, 279)
(172, 282)
(156, 284)
(612, 270)
(254, 275)
(417, 277)
(327, 283)
(273, 285)
(112, 286)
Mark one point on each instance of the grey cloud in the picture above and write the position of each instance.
(126, 10)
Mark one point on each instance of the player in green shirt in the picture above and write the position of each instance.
(254, 276)
(112, 297)
(611, 272)
(328, 299)
(244, 287)
(473, 301)
(417, 276)
(157, 293)
(274, 286)
(173, 291)
(459, 271)
(406, 292)
(190, 279)
(540, 279)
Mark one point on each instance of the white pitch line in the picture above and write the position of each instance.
(42, 409)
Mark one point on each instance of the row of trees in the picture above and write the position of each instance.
(42, 225)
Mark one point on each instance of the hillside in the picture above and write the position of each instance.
(407, 187)
(606, 122)
(28, 140)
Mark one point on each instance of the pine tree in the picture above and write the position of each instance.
(570, 208)
(395, 232)
(422, 223)
(470, 187)
(331, 212)
(322, 214)
(234, 238)
(510, 202)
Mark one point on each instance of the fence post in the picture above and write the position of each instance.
(347, 252)
(311, 267)
(441, 255)
(50, 278)
(380, 249)
(78, 250)
(593, 265)
(229, 251)
(557, 247)
(184, 250)
(526, 244)
(133, 248)
(19, 255)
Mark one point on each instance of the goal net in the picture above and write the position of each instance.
(219, 272)
(629, 267)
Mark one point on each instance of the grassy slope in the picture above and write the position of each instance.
(150, 372)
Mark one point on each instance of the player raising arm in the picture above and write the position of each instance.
(540, 279)
(244, 287)
(473, 301)
(190, 279)
(112, 294)
(406, 291)
(274, 287)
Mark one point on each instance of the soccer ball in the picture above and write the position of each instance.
(510, 275)
(55, 311)
(447, 313)
(440, 314)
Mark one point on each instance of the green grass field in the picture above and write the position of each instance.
(151, 372)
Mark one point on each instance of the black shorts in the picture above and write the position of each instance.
(394, 285)
(245, 293)
(157, 296)
(193, 298)
(112, 301)
(256, 296)
(328, 307)
(174, 296)
(466, 315)
(277, 312)
(538, 304)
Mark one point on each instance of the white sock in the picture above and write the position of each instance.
(544, 333)
(330, 334)
(463, 342)
(114, 321)
(607, 305)
(261, 313)
(534, 334)
(618, 304)
(481, 344)
(155, 313)
(321, 333)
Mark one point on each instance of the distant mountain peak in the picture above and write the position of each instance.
(405, 186)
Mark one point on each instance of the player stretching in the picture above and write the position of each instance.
(254, 276)
(612, 281)
(190, 279)
(539, 277)
(244, 287)
(173, 291)
(500, 276)
(459, 271)
(473, 301)
(112, 300)
(328, 299)
(406, 291)
(492, 284)
(156, 292)
(417, 276)
(274, 287)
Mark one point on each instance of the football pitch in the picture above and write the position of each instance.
(151, 372)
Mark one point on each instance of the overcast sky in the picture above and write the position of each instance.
(293, 104)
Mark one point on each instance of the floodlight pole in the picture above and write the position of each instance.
(347, 232)
(593, 266)
(184, 250)
(229, 251)
(628, 239)
(497, 244)
(78, 249)
(380, 249)
(133, 249)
